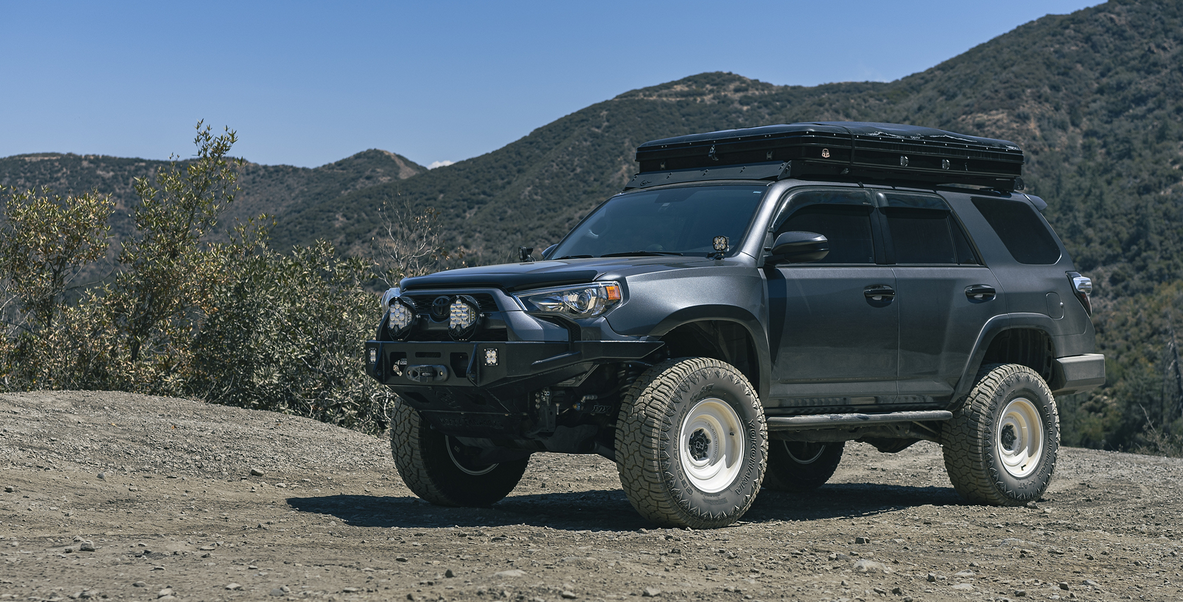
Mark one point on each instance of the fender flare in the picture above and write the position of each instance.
(990, 331)
(726, 313)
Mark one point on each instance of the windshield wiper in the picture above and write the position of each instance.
(573, 257)
(642, 253)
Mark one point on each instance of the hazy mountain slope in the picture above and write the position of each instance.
(531, 191)
(270, 189)
(1096, 100)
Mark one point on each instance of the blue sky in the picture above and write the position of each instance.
(307, 83)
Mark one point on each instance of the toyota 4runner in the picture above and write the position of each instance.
(750, 301)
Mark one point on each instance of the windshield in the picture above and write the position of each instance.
(674, 221)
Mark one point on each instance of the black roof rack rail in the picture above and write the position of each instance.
(851, 151)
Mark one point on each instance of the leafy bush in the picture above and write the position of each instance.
(286, 333)
(45, 239)
(235, 323)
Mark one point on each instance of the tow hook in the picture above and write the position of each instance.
(427, 374)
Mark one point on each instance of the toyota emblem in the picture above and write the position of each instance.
(440, 307)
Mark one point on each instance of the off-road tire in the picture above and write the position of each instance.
(798, 466)
(691, 443)
(1000, 447)
(439, 476)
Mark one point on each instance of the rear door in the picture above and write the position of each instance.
(944, 292)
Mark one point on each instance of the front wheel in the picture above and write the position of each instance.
(1000, 447)
(440, 470)
(691, 443)
(799, 466)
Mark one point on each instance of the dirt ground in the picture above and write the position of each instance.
(127, 497)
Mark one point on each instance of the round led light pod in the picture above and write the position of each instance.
(463, 318)
(400, 315)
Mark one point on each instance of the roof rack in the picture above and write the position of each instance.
(849, 151)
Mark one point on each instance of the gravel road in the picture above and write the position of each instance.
(129, 497)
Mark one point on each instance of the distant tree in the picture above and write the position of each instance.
(411, 243)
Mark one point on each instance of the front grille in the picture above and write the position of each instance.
(423, 302)
(430, 329)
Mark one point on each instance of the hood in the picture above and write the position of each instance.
(540, 274)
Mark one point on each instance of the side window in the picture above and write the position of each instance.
(842, 217)
(923, 230)
(1020, 229)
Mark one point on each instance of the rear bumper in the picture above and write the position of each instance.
(1077, 373)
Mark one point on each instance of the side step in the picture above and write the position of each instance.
(823, 421)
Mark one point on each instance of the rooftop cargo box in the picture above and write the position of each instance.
(833, 150)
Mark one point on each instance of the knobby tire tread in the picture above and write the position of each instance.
(418, 460)
(647, 420)
(967, 439)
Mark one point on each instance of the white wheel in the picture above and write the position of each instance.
(712, 448)
(1000, 447)
(1020, 437)
(691, 443)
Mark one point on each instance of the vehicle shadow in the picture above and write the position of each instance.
(847, 500)
(598, 510)
(609, 510)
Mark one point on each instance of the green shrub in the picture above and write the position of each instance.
(234, 323)
(286, 333)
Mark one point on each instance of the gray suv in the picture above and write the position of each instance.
(752, 300)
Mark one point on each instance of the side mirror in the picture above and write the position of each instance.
(547, 251)
(799, 247)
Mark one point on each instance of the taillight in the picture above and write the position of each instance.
(1082, 286)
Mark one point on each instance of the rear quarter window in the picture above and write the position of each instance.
(923, 231)
(1018, 225)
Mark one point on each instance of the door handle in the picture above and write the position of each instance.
(879, 293)
(980, 292)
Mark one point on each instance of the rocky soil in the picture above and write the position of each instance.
(127, 497)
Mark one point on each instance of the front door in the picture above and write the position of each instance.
(834, 323)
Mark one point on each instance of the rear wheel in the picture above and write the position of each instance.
(690, 443)
(799, 466)
(1000, 447)
(439, 469)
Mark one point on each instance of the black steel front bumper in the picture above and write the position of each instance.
(502, 368)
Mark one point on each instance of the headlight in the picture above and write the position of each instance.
(584, 301)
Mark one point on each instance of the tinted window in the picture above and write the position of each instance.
(920, 236)
(927, 236)
(1020, 229)
(924, 230)
(848, 228)
(675, 220)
